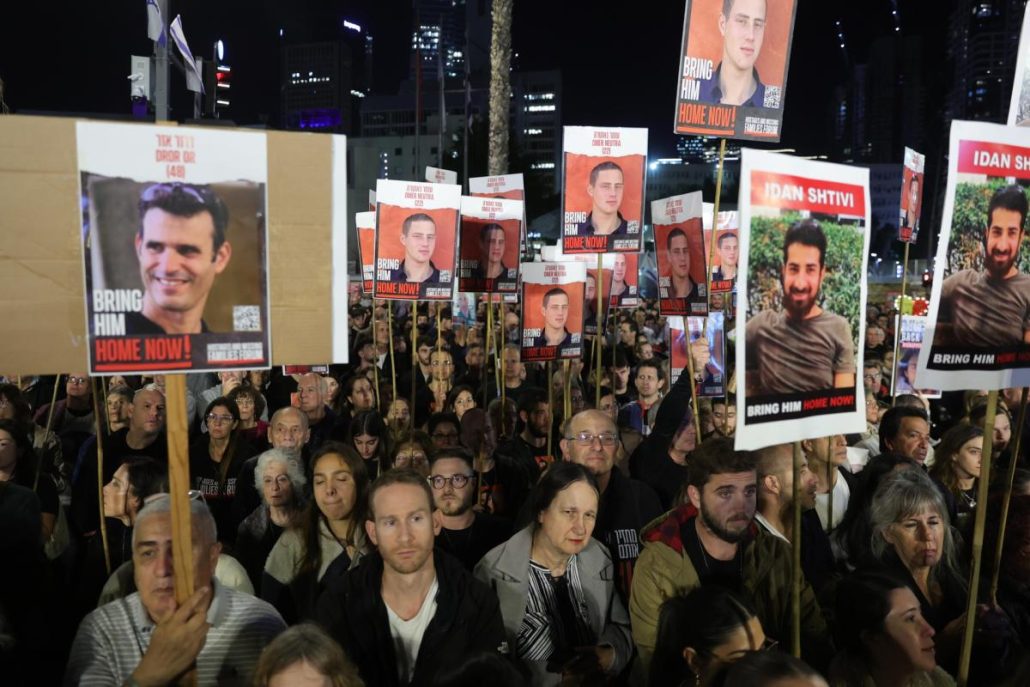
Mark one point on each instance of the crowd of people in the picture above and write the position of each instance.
(439, 512)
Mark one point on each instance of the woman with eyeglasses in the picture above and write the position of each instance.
(215, 460)
(370, 438)
(331, 539)
(699, 633)
(280, 480)
(413, 450)
(556, 587)
(251, 404)
(882, 636)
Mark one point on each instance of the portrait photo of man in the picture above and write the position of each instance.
(990, 308)
(735, 80)
(619, 286)
(801, 347)
(418, 236)
(911, 218)
(491, 253)
(605, 188)
(182, 247)
(677, 249)
(555, 309)
(728, 247)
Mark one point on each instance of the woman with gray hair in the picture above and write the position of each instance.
(280, 480)
(912, 538)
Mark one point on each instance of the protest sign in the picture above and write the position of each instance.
(682, 284)
(435, 175)
(804, 238)
(366, 224)
(176, 262)
(733, 68)
(623, 289)
(903, 377)
(713, 376)
(603, 189)
(911, 196)
(491, 229)
(416, 239)
(552, 310)
(979, 320)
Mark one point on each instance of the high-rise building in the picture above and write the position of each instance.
(440, 30)
(536, 121)
(982, 42)
(323, 83)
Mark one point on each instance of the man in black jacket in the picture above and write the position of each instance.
(626, 505)
(404, 614)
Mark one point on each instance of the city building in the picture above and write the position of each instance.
(536, 124)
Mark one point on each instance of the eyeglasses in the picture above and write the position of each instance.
(158, 191)
(193, 494)
(244, 401)
(404, 459)
(587, 439)
(457, 481)
(218, 419)
(78, 380)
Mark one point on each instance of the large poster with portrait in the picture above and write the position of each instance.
(490, 232)
(552, 310)
(978, 332)
(804, 238)
(911, 196)
(680, 248)
(603, 174)
(732, 78)
(174, 226)
(416, 240)
(596, 281)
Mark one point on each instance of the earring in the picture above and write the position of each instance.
(697, 679)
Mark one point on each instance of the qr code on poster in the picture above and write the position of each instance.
(772, 96)
(246, 318)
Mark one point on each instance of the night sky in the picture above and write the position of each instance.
(619, 68)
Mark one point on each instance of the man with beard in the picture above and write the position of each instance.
(404, 615)
(626, 505)
(465, 533)
(990, 309)
(803, 347)
(776, 510)
(713, 540)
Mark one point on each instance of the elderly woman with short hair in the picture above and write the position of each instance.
(280, 480)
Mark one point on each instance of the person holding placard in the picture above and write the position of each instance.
(803, 347)
(418, 236)
(991, 308)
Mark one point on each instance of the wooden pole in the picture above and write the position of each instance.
(439, 333)
(897, 327)
(50, 422)
(414, 361)
(795, 544)
(690, 370)
(550, 405)
(829, 481)
(597, 337)
(980, 516)
(393, 361)
(490, 345)
(715, 225)
(567, 406)
(100, 480)
(1006, 499)
(179, 485)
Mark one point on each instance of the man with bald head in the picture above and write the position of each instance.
(144, 436)
(287, 431)
(775, 512)
(591, 439)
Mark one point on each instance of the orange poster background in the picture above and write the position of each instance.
(513, 194)
(577, 177)
(705, 41)
(906, 178)
(532, 318)
(366, 251)
(692, 227)
(606, 283)
(470, 247)
(389, 222)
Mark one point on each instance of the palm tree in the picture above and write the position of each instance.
(500, 85)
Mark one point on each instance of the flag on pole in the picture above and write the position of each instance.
(194, 79)
(155, 22)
